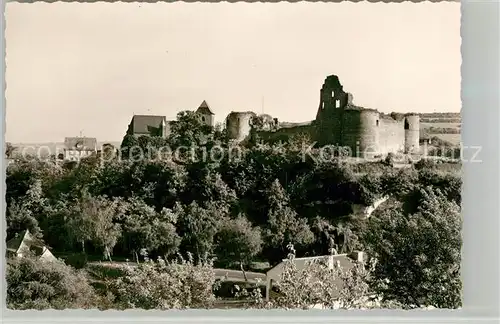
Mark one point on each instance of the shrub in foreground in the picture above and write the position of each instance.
(37, 284)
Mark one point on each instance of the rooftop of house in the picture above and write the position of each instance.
(141, 124)
(81, 143)
(204, 108)
(345, 261)
(35, 245)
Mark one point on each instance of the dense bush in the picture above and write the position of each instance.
(165, 285)
(35, 284)
(418, 254)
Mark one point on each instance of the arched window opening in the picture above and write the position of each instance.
(407, 125)
(377, 122)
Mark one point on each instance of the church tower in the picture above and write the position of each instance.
(207, 116)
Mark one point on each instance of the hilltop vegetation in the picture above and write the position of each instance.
(247, 205)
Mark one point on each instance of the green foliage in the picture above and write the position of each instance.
(9, 150)
(143, 227)
(127, 145)
(419, 254)
(189, 130)
(244, 207)
(198, 226)
(93, 219)
(19, 218)
(238, 241)
(166, 285)
(284, 226)
(35, 284)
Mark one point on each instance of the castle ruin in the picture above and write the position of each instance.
(366, 131)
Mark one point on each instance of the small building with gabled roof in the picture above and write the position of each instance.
(76, 148)
(24, 244)
(345, 261)
(207, 116)
(149, 125)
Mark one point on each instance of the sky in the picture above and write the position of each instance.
(87, 68)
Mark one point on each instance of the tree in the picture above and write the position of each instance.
(418, 255)
(159, 183)
(283, 225)
(129, 141)
(9, 149)
(299, 141)
(143, 227)
(93, 219)
(189, 130)
(19, 218)
(35, 284)
(28, 211)
(205, 186)
(238, 241)
(198, 226)
(166, 285)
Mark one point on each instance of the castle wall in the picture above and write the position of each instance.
(238, 125)
(360, 132)
(366, 132)
(284, 134)
(391, 135)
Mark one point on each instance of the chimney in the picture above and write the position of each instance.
(359, 256)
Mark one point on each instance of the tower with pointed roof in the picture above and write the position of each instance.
(207, 116)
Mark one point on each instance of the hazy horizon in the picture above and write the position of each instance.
(89, 67)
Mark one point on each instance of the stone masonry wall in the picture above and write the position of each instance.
(238, 125)
(391, 135)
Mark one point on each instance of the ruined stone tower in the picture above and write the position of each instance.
(365, 131)
(238, 125)
(333, 100)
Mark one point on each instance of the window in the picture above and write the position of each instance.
(407, 126)
(377, 122)
(323, 105)
(333, 94)
(337, 103)
(203, 118)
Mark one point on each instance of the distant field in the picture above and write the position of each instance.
(440, 125)
(440, 115)
(452, 138)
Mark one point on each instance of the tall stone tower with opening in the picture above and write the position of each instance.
(366, 131)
